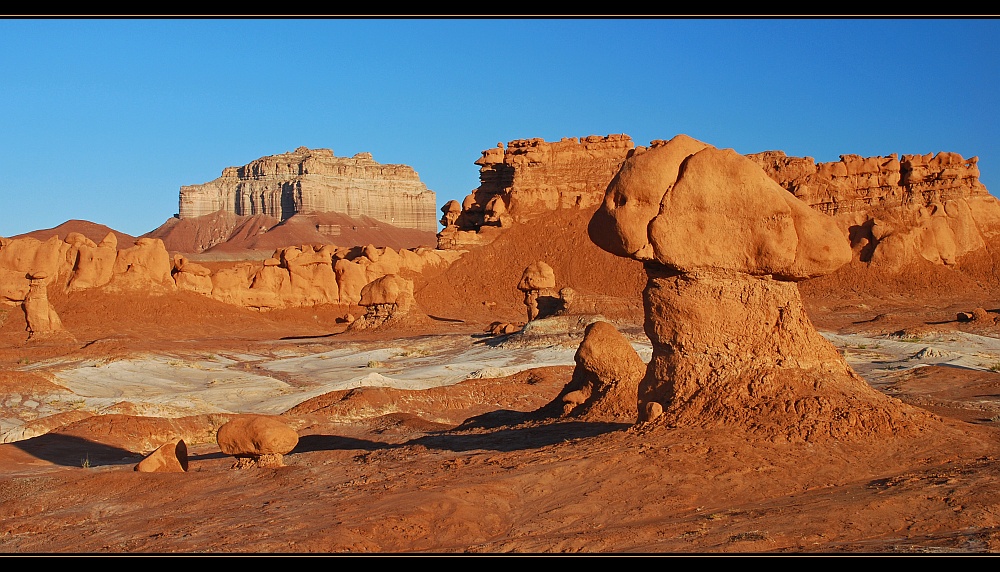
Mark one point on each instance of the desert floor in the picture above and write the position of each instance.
(427, 440)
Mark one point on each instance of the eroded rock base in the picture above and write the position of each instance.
(738, 350)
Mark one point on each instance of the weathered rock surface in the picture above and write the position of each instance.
(538, 282)
(40, 315)
(256, 440)
(895, 209)
(167, 458)
(386, 300)
(314, 180)
(732, 344)
(528, 178)
(606, 378)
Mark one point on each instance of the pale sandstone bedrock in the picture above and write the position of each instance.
(314, 180)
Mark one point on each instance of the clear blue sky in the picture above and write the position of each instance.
(105, 119)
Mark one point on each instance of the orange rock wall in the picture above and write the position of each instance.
(895, 208)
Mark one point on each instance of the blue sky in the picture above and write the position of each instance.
(105, 119)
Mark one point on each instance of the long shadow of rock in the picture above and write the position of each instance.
(71, 451)
(518, 438)
(335, 443)
(502, 434)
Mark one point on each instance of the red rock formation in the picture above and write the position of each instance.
(387, 301)
(40, 315)
(314, 180)
(606, 378)
(531, 177)
(895, 209)
(256, 440)
(732, 344)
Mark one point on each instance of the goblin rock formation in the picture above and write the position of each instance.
(39, 314)
(606, 378)
(256, 441)
(386, 301)
(538, 282)
(895, 209)
(294, 276)
(314, 180)
(530, 177)
(723, 245)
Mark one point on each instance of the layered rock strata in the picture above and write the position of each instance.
(723, 245)
(314, 180)
(528, 178)
(894, 208)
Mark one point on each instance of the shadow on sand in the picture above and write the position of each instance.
(71, 451)
(502, 430)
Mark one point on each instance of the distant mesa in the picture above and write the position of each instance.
(315, 181)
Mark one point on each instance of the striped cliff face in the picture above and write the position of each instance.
(316, 181)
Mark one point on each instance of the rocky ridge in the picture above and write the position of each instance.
(531, 177)
(894, 208)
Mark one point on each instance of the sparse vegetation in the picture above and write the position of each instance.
(749, 536)
(85, 462)
(375, 363)
(995, 367)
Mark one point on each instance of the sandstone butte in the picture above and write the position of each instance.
(316, 181)
(890, 211)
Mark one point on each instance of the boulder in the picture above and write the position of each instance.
(167, 458)
(256, 440)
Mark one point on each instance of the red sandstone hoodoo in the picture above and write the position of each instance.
(723, 245)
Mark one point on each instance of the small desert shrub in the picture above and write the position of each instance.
(749, 536)
(995, 367)
(375, 363)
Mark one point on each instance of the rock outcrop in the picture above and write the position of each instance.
(256, 441)
(528, 178)
(538, 282)
(895, 209)
(40, 316)
(314, 180)
(386, 300)
(169, 457)
(606, 378)
(723, 246)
